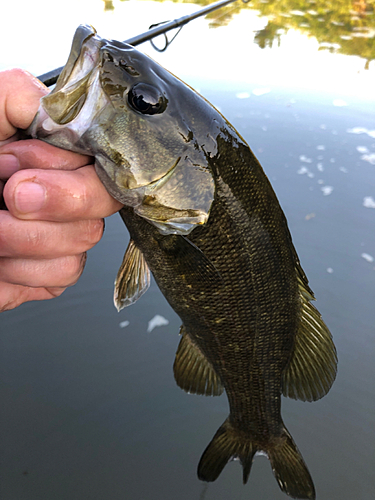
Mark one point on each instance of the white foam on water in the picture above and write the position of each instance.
(361, 130)
(305, 159)
(124, 324)
(368, 202)
(156, 321)
(326, 190)
(303, 170)
(370, 158)
(367, 257)
(362, 149)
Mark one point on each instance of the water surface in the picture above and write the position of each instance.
(89, 405)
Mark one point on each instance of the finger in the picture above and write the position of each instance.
(47, 240)
(32, 153)
(58, 195)
(61, 272)
(19, 100)
(12, 296)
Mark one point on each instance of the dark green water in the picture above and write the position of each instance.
(90, 409)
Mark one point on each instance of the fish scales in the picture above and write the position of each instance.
(246, 304)
(205, 220)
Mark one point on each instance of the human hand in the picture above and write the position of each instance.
(55, 201)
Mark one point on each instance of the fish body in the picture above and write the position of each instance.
(205, 220)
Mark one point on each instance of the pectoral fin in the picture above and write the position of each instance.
(312, 369)
(192, 370)
(133, 278)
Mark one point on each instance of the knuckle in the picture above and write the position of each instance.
(72, 268)
(92, 233)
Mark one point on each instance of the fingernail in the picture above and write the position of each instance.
(9, 164)
(29, 197)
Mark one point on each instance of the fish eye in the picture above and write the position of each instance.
(147, 99)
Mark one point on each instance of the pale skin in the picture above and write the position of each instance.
(56, 203)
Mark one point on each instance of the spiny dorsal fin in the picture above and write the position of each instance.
(312, 368)
(133, 278)
(192, 370)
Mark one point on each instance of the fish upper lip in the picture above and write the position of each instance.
(89, 56)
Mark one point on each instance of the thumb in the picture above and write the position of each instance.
(19, 100)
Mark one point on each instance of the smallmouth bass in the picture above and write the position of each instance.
(204, 219)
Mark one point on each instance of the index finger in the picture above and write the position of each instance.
(33, 153)
(19, 100)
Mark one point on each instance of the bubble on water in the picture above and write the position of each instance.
(157, 320)
(321, 147)
(124, 324)
(320, 167)
(362, 149)
(329, 270)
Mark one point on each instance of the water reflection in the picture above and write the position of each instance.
(108, 5)
(345, 27)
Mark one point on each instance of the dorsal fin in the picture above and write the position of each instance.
(192, 370)
(133, 278)
(313, 366)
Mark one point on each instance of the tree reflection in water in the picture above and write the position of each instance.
(340, 26)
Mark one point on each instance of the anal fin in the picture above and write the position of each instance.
(133, 278)
(192, 370)
(313, 366)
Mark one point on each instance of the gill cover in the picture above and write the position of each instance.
(142, 124)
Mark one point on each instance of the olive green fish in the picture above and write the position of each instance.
(205, 220)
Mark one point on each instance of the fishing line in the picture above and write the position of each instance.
(204, 492)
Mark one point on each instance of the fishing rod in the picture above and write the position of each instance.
(155, 30)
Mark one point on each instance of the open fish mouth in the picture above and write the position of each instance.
(78, 75)
(77, 92)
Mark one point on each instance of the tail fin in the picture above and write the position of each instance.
(287, 463)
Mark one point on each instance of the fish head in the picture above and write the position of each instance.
(151, 135)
